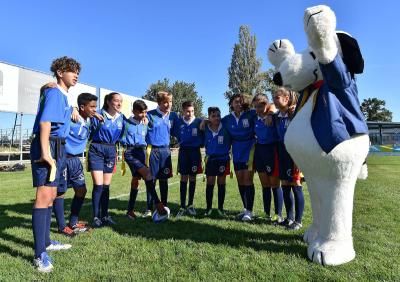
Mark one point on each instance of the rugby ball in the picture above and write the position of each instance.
(157, 218)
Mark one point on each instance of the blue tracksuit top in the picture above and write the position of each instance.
(188, 135)
(159, 127)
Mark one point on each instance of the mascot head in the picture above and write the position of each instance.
(296, 71)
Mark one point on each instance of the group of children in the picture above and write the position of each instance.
(252, 137)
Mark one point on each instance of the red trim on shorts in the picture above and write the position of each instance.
(276, 163)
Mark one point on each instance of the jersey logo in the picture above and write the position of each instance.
(81, 177)
(268, 168)
(245, 122)
(194, 168)
(119, 124)
(194, 131)
(220, 139)
(221, 168)
(110, 164)
(166, 171)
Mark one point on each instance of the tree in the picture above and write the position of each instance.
(374, 110)
(181, 91)
(244, 72)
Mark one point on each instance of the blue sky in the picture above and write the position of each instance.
(127, 45)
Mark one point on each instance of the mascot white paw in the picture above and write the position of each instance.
(328, 137)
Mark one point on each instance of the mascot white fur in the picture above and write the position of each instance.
(328, 137)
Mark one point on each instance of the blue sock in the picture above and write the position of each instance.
(209, 196)
(183, 190)
(242, 191)
(58, 208)
(76, 206)
(96, 196)
(250, 191)
(299, 202)
(278, 200)
(192, 189)
(48, 224)
(288, 200)
(221, 196)
(38, 228)
(105, 199)
(151, 191)
(132, 199)
(266, 193)
(164, 191)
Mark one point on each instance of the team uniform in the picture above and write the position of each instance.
(74, 175)
(102, 156)
(266, 161)
(241, 130)
(287, 169)
(159, 153)
(217, 163)
(134, 142)
(54, 108)
(190, 138)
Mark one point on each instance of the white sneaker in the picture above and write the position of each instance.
(191, 210)
(147, 214)
(181, 212)
(57, 246)
(43, 263)
(248, 216)
(240, 215)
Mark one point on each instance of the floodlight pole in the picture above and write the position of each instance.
(20, 138)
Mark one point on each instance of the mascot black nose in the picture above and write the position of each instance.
(277, 79)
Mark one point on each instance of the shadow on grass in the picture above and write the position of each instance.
(195, 230)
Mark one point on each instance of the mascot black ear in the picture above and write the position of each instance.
(351, 53)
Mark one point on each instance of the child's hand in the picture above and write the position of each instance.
(48, 85)
(98, 116)
(291, 110)
(203, 123)
(75, 115)
(45, 159)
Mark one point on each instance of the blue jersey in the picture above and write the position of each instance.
(54, 108)
(218, 144)
(77, 137)
(336, 115)
(188, 135)
(282, 122)
(159, 127)
(134, 133)
(242, 128)
(264, 134)
(110, 130)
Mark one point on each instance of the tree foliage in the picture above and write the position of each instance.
(374, 110)
(245, 75)
(181, 91)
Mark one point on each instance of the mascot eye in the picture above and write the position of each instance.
(313, 55)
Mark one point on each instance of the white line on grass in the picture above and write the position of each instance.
(140, 191)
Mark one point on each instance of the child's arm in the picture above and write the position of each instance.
(45, 127)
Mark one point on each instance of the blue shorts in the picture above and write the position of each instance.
(41, 171)
(266, 159)
(240, 165)
(287, 169)
(102, 157)
(75, 176)
(189, 161)
(218, 167)
(135, 157)
(160, 163)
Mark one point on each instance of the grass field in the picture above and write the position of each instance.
(202, 248)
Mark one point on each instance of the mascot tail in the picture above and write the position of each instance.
(363, 172)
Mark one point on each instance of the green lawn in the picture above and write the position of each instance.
(202, 248)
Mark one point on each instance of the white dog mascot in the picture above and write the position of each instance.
(328, 137)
